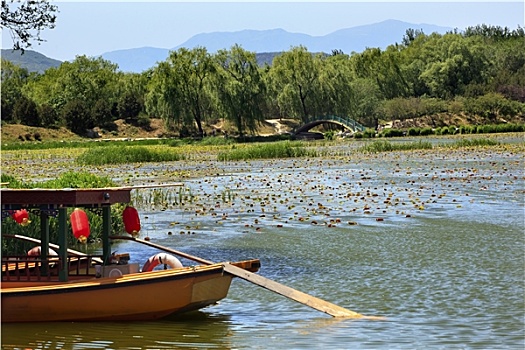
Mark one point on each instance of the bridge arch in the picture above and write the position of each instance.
(346, 123)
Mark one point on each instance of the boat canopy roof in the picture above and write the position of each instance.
(12, 198)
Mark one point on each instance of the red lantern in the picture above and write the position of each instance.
(131, 219)
(80, 225)
(22, 217)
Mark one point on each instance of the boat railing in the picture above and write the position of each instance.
(35, 268)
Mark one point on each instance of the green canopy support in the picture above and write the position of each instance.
(106, 231)
(62, 242)
(44, 242)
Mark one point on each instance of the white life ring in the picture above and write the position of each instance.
(161, 258)
(37, 251)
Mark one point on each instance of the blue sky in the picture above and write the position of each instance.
(93, 28)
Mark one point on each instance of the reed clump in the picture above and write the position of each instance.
(127, 154)
(285, 149)
(385, 146)
(464, 143)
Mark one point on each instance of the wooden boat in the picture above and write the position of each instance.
(135, 296)
(72, 286)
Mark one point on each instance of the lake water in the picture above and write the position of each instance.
(433, 241)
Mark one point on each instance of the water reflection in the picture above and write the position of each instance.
(195, 330)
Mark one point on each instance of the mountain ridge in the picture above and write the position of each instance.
(348, 40)
(31, 60)
(270, 42)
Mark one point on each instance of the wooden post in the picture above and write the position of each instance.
(62, 242)
(106, 230)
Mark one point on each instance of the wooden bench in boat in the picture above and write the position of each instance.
(34, 268)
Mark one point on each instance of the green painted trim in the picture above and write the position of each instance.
(44, 242)
(106, 231)
(62, 242)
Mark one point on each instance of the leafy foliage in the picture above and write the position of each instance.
(240, 87)
(26, 19)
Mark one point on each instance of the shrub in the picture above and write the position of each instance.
(392, 133)
(413, 132)
(426, 131)
(369, 133)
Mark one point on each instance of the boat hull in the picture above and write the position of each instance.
(139, 296)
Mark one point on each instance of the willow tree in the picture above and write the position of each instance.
(336, 95)
(455, 64)
(240, 88)
(294, 77)
(180, 88)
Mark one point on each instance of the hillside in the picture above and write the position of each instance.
(22, 133)
(30, 60)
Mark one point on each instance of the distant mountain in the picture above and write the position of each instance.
(272, 40)
(355, 39)
(381, 35)
(30, 60)
(266, 43)
(136, 60)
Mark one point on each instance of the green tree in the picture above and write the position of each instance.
(240, 88)
(133, 88)
(335, 94)
(365, 102)
(25, 111)
(101, 113)
(294, 77)
(77, 116)
(48, 116)
(84, 79)
(13, 79)
(459, 62)
(180, 88)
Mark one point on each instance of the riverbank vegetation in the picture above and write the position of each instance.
(471, 77)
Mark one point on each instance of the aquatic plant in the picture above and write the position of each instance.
(385, 146)
(284, 149)
(473, 143)
(162, 197)
(81, 144)
(129, 154)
